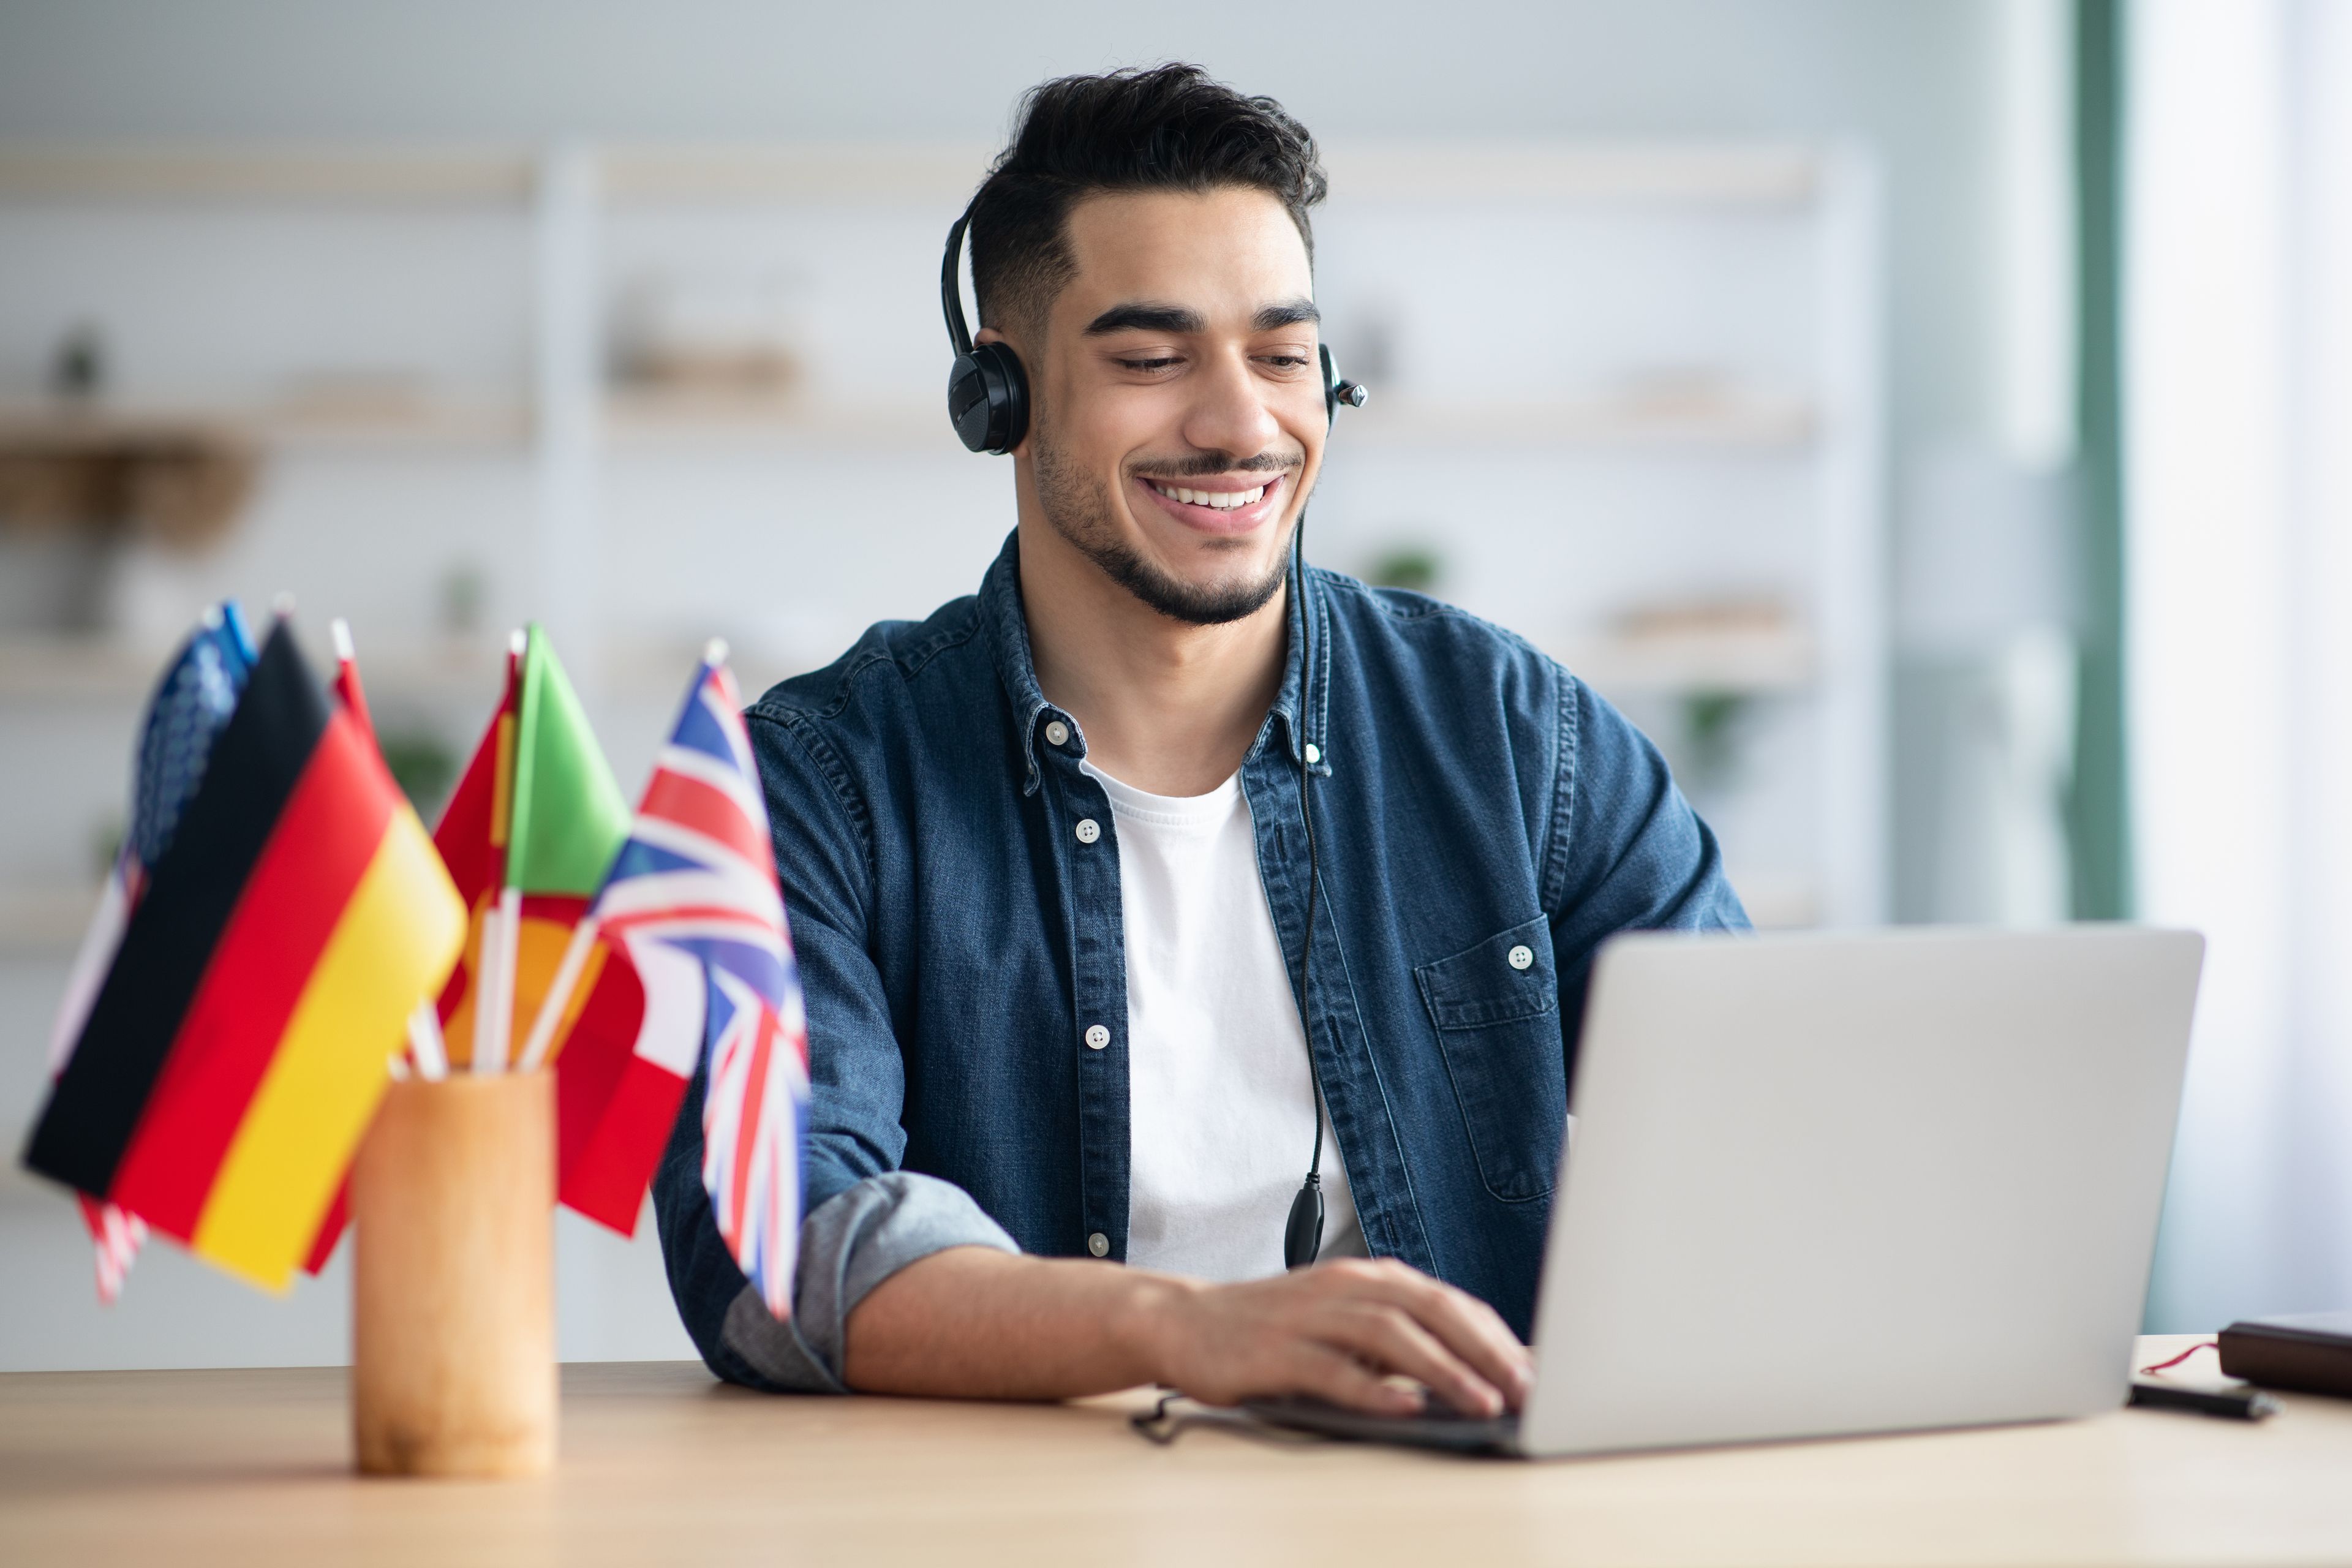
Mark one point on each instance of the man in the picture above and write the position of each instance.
(1047, 860)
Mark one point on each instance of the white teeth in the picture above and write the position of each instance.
(1217, 501)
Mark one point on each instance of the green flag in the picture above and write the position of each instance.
(568, 820)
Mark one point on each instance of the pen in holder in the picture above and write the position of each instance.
(452, 1323)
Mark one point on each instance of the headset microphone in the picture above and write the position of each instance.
(1302, 1236)
(1336, 391)
(988, 402)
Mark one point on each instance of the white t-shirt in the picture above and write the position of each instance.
(1221, 1109)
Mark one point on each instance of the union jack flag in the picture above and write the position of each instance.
(692, 899)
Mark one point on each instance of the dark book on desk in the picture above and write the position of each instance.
(2308, 1352)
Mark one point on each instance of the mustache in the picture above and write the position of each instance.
(1203, 464)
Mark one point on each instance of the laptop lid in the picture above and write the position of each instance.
(1858, 1183)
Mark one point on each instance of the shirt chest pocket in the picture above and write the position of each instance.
(1497, 1008)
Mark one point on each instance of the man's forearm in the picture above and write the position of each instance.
(970, 1322)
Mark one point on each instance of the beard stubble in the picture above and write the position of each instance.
(1080, 509)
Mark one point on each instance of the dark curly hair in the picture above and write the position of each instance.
(1170, 127)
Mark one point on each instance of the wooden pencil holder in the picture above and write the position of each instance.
(453, 1320)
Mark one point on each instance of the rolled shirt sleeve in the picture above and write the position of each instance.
(852, 1242)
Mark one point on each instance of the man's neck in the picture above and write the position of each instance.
(1167, 706)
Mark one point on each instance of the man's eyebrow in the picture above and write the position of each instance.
(1140, 316)
(1289, 313)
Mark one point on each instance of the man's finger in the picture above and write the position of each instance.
(1463, 1323)
(1343, 1380)
(1392, 1339)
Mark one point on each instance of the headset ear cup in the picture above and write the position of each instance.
(967, 403)
(988, 399)
(1009, 393)
(1331, 385)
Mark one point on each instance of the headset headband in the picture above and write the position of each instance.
(951, 285)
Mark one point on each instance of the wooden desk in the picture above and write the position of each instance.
(660, 1465)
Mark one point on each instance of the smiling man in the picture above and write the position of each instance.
(1163, 872)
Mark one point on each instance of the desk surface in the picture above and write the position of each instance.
(660, 1465)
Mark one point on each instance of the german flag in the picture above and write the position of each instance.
(239, 1042)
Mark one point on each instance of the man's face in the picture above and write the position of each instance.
(1178, 419)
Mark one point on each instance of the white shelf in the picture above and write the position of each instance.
(71, 668)
(1521, 172)
(66, 668)
(639, 419)
(44, 922)
(266, 174)
(1732, 663)
(99, 669)
(423, 424)
(885, 175)
(650, 420)
(1746, 423)
(1779, 903)
(428, 427)
(873, 175)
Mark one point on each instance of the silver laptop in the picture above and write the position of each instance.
(1847, 1183)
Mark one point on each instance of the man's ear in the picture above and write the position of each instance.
(992, 336)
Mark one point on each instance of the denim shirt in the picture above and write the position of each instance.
(1483, 823)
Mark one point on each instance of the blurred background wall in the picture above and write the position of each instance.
(1728, 348)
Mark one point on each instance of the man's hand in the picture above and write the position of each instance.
(977, 1323)
(1335, 1330)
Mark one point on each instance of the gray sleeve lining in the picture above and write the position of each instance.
(854, 1241)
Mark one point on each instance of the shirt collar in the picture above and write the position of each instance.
(1001, 609)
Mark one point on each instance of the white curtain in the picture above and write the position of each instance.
(2238, 480)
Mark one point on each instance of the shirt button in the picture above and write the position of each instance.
(1521, 956)
(1096, 1037)
(1057, 733)
(1098, 1243)
(1088, 830)
(1314, 753)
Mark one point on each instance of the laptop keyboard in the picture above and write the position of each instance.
(1439, 1424)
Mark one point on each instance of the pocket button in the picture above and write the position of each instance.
(1521, 956)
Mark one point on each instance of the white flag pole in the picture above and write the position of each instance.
(494, 1031)
(559, 994)
(90, 963)
(502, 921)
(485, 987)
(424, 1042)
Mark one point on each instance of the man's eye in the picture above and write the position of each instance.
(1148, 364)
(1287, 361)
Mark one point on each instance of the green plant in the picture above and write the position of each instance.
(421, 764)
(1710, 735)
(1413, 567)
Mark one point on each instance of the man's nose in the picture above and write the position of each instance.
(1229, 412)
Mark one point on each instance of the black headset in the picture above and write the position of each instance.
(988, 395)
(988, 403)
(988, 392)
